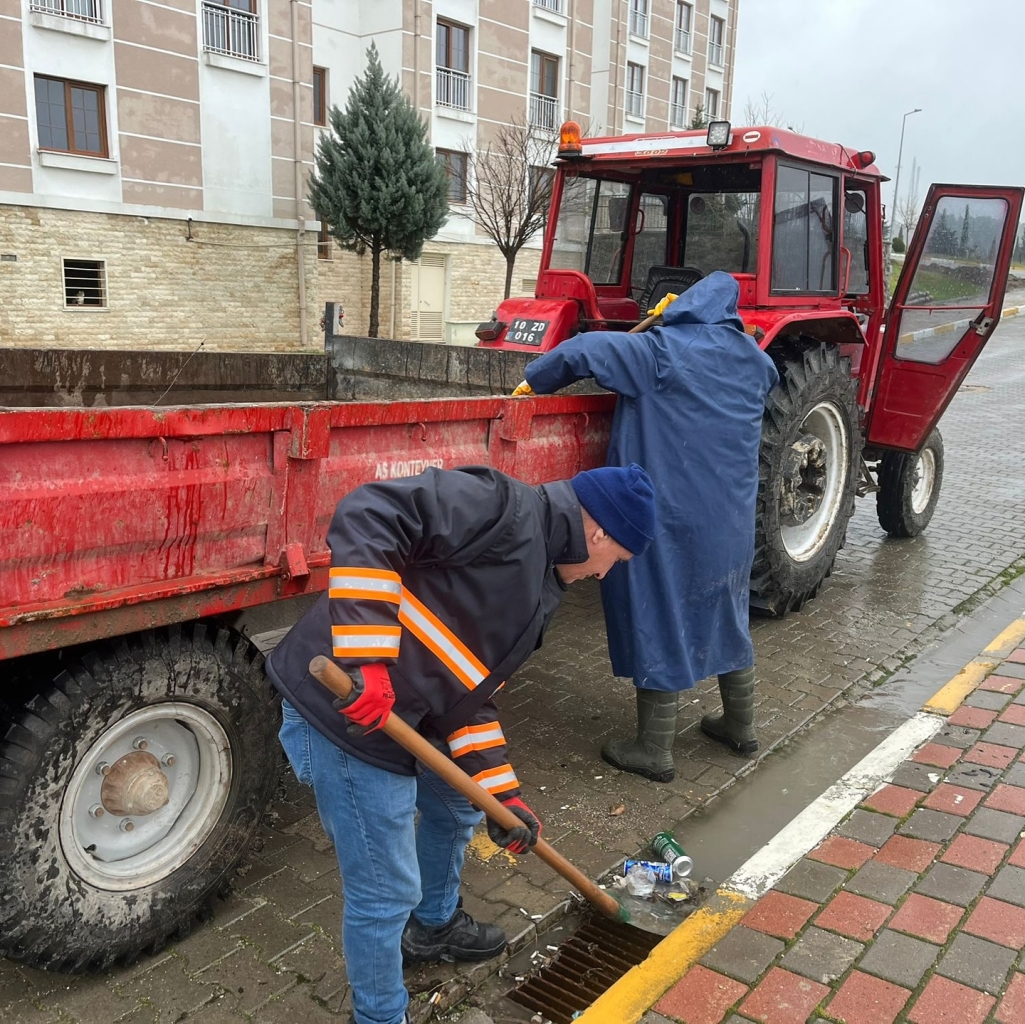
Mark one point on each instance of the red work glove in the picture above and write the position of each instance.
(372, 697)
(521, 838)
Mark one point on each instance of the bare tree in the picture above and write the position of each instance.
(761, 111)
(510, 188)
(907, 208)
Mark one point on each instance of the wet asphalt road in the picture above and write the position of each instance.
(272, 953)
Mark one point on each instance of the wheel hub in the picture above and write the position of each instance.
(804, 481)
(135, 784)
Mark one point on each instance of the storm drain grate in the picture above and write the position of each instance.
(598, 954)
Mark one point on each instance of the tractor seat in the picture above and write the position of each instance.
(663, 280)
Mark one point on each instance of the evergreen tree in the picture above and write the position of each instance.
(699, 120)
(966, 228)
(377, 182)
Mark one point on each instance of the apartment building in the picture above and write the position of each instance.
(154, 153)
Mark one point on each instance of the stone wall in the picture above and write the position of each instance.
(233, 288)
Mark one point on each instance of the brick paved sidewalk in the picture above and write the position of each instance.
(912, 909)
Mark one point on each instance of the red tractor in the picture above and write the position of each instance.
(799, 223)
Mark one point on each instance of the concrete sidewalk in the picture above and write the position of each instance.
(899, 895)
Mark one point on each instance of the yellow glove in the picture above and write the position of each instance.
(661, 307)
(523, 389)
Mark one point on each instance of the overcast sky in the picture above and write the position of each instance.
(847, 70)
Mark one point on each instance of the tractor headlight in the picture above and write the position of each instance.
(718, 134)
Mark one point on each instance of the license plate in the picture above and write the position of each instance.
(527, 332)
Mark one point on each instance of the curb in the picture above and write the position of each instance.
(638, 990)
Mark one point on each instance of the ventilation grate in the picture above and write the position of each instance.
(598, 954)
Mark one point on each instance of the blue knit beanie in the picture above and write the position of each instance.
(621, 501)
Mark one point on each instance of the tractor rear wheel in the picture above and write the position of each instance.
(808, 471)
(909, 487)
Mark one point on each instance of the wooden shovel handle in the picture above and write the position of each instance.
(644, 324)
(339, 683)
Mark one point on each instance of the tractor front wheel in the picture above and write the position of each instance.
(808, 470)
(909, 487)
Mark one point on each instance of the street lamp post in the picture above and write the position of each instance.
(896, 192)
(900, 154)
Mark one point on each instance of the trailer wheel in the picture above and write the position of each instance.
(909, 487)
(808, 470)
(130, 787)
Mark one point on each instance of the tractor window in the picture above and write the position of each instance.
(804, 242)
(954, 277)
(591, 231)
(722, 232)
(855, 239)
(650, 242)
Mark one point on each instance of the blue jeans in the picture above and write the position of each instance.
(390, 867)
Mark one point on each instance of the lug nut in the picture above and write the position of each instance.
(140, 744)
(127, 825)
(102, 768)
(97, 810)
(169, 759)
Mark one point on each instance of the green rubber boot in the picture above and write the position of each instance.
(736, 725)
(651, 753)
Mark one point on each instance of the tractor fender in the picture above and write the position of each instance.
(828, 326)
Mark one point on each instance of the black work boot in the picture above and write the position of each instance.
(651, 753)
(736, 725)
(461, 939)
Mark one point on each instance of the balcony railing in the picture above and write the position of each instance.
(231, 32)
(544, 112)
(677, 116)
(715, 53)
(79, 10)
(635, 103)
(452, 89)
(639, 24)
(550, 5)
(682, 41)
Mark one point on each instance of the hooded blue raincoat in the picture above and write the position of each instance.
(691, 397)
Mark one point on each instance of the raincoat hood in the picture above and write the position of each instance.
(713, 300)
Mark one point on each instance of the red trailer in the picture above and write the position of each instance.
(140, 749)
(799, 223)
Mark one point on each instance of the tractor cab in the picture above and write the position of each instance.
(633, 218)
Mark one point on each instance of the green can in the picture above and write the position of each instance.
(666, 848)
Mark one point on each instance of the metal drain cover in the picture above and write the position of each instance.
(598, 954)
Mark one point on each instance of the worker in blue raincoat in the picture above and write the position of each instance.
(691, 397)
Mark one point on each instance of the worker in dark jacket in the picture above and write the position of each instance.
(691, 399)
(441, 586)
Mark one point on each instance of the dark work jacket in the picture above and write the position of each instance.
(691, 398)
(445, 578)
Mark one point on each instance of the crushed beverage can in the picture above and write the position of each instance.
(662, 872)
(673, 854)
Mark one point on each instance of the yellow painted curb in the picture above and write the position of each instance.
(638, 990)
(948, 698)
(1008, 639)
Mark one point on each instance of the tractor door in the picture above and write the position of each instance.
(947, 302)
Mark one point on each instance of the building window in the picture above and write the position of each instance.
(85, 284)
(320, 96)
(79, 10)
(711, 104)
(635, 89)
(231, 28)
(716, 34)
(639, 18)
(678, 104)
(69, 116)
(452, 56)
(544, 91)
(549, 5)
(684, 21)
(455, 164)
(323, 242)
